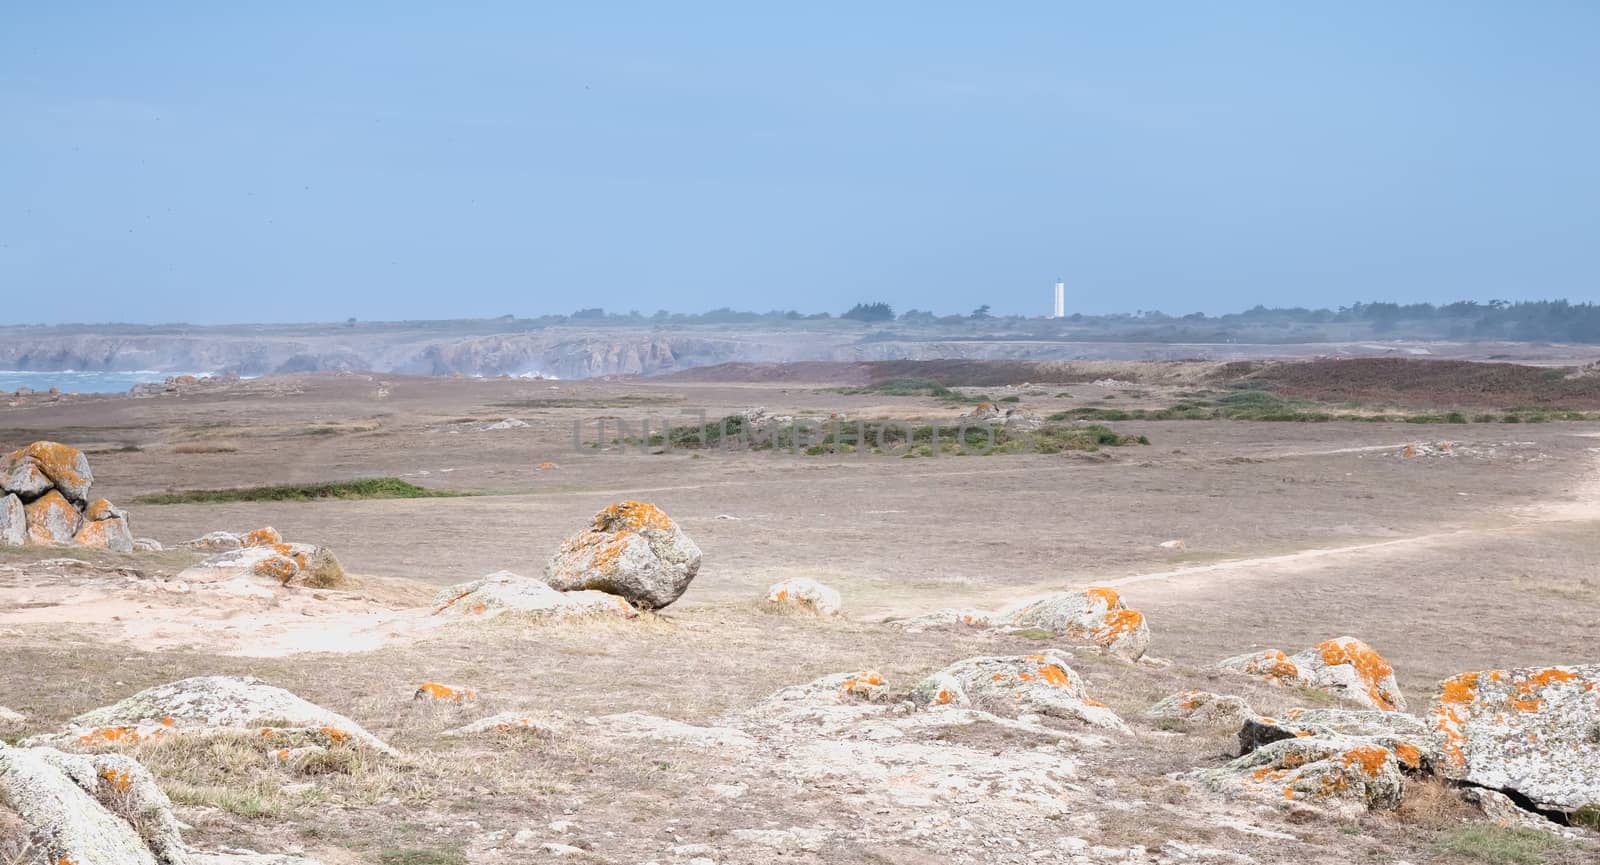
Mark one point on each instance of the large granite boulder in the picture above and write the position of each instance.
(1533, 731)
(21, 476)
(632, 550)
(66, 467)
(52, 520)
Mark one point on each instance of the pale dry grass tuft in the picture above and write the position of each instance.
(1434, 804)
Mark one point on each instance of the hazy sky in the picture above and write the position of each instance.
(299, 161)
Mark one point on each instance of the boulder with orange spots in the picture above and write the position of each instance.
(1344, 667)
(1407, 736)
(505, 592)
(632, 549)
(265, 536)
(831, 700)
(105, 527)
(66, 467)
(61, 800)
(1095, 614)
(13, 522)
(52, 520)
(1534, 732)
(21, 476)
(197, 705)
(1202, 708)
(1033, 684)
(1333, 773)
(805, 594)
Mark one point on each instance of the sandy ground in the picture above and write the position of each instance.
(1292, 533)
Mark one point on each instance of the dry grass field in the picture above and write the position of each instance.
(1481, 556)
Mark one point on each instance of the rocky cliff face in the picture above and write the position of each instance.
(567, 353)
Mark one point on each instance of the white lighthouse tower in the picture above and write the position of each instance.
(1061, 299)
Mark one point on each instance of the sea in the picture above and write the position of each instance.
(74, 381)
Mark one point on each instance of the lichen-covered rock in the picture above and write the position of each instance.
(1407, 736)
(195, 705)
(1343, 666)
(806, 594)
(1202, 708)
(504, 592)
(632, 550)
(66, 467)
(216, 542)
(101, 809)
(435, 692)
(10, 719)
(22, 476)
(52, 520)
(1503, 811)
(1094, 614)
(147, 545)
(851, 687)
(13, 522)
(505, 722)
(103, 509)
(1041, 684)
(73, 825)
(940, 689)
(950, 617)
(281, 564)
(1271, 665)
(1331, 772)
(266, 536)
(1534, 731)
(105, 534)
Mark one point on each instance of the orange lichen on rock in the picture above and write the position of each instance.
(335, 734)
(66, 466)
(266, 536)
(1118, 623)
(277, 567)
(119, 780)
(861, 682)
(1408, 755)
(631, 515)
(1370, 758)
(545, 467)
(444, 693)
(1370, 668)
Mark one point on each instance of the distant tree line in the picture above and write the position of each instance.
(1522, 321)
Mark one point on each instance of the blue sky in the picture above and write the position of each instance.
(297, 161)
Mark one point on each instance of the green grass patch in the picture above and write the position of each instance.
(1500, 845)
(903, 387)
(366, 488)
(912, 440)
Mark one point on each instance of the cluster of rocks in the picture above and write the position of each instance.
(44, 500)
(262, 554)
(99, 807)
(1519, 743)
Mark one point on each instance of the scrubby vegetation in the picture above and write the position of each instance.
(365, 488)
(1262, 405)
(904, 387)
(1500, 845)
(891, 437)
